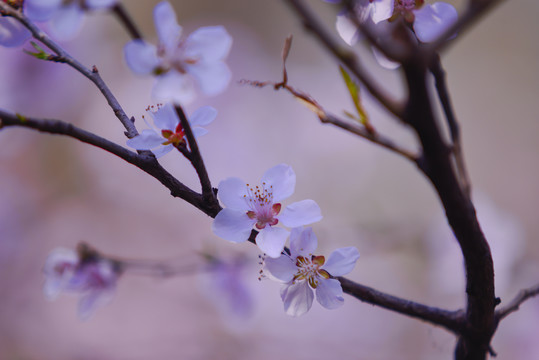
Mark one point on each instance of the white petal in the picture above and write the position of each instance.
(199, 131)
(283, 180)
(59, 256)
(347, 29)
(341, 261)
(431, 21)
(99, 4)
(282, 268)
(41, 10)
(271, 240)
(232, 193)
(67, 22)
(174, 87)
(92, 300)
(141, 57)
(165, 117)
(146, 140)
(381, 10)
(213, 78)
(329, 293)
(232, 225)
(297, 298)
(210, 43)
(168, 30)
(12, 33)
(383, 60)
(303, 242)
(162, 150)
(203, 116)
(301, 213)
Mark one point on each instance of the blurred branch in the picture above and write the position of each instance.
(197, 161)
(514, 305)
(144, 161)
(441, 86)
(347, 57)
(64, 57)
(123, 17)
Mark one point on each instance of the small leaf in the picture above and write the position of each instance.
(40, 52)
(353, 89)
(22, 118)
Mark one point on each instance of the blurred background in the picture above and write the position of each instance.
(56, 192)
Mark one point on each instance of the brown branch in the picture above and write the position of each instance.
(63, 57)
(123, 17)
(347, 57)
(144, 161)
(514, 305)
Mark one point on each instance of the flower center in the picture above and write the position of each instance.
(175, 137)
(309, 270)
(260, 201)
(405, 8)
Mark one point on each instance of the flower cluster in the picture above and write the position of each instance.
(90, 277)
(179, 64)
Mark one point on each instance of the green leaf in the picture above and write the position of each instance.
(40, 52)
(353, 89)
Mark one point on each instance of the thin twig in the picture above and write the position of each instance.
(64, 57)
(514, 305)
(441, 87)
(123, 16)
(347, 57)
(196, 159)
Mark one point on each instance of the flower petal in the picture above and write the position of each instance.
(232, 193)
(41, 10)
(283, 180)
(162, 150)
(303, 242)
(232, 225)
(329, 293)
(282, 268)
(92, 300)
(203, 116)
(209, 44)
(271, 240)
(174, 87)
(141, 57)
(146, 140)
(431, 21)
(347, 30)
(165, 117)
(383, 60)
(213, 78)
(67, 22)
(297, 298)
(168, 30)
(12, 33)
(99, 4)
(199, 131)
(301, 213)
(341, 261)
(381, 10)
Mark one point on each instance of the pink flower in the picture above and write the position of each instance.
(259, 206)
(302, 272)
(93, 279)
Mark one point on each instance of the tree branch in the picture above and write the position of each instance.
(64, 57)
(123, 17)
(514, 305)
(347, 57)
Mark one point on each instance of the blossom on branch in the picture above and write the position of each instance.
(302, 272)
(169, 132)
(92, 278)
(259, 206)
(65, 17)
(12, 32)
(179, 64)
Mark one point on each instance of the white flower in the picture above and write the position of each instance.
(179, 63)
(301, 271)
(12, 32)
(171, 133)
(260, 206)
(66, 17)
(94, 280)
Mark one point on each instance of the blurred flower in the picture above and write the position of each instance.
(92, 278)
(226, 287)
(66, 17)
(259, 206)
(171, 133)
(179, 63)
(12, 32)
(301, 271)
